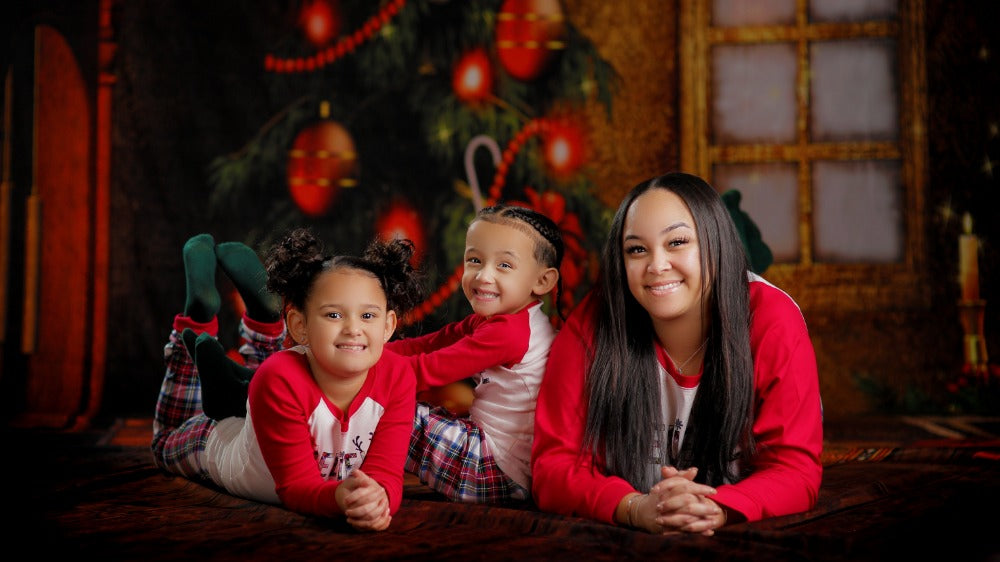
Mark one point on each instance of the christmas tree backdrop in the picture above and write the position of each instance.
(402, 118)
(245, 118)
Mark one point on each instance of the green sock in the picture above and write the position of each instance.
(224, 383)
(243, 267)
(190, 339)
(202, 298)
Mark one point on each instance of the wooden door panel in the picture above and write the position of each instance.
(63, 185)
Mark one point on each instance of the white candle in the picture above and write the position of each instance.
(968, 260)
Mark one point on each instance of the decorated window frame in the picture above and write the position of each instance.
(809, 275)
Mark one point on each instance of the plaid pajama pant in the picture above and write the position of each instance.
(451, 456)
(180, 428)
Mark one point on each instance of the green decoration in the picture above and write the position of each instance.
(757, 251)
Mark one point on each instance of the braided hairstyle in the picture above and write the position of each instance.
(294, 263)
(549, 246)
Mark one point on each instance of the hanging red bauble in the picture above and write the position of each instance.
(321, 161)
(565, 148)
(529, 33)
(320, 21)
(400, 220)
(472, 79)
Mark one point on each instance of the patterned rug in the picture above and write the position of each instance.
(904, 439)
(913, 439)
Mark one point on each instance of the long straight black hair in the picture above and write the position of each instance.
(623, 390)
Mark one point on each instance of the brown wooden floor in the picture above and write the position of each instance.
(893, 488)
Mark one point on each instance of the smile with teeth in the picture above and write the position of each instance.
(352, 346)
(486, 295)
(663, 288)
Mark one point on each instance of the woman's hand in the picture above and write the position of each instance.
(682, 505)
(364, 502)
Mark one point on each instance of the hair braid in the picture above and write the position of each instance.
(550, 252)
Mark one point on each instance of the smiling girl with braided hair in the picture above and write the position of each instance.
(512, 258)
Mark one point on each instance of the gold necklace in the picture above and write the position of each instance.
(680, 368)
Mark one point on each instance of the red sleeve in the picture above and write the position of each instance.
(280, 406)
(563, 481)
(788, 421)
(444, 337)
(387, 455)
(464, 349)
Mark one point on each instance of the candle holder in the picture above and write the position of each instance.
(971, 313)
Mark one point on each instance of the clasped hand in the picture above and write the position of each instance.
(677, 504)
(364, 502)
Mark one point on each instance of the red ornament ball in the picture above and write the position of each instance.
(472, 79)
(320, 21)
(529, 34)
(565, 149)
(321, 161)
(400, 220)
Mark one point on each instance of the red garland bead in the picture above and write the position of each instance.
(346, 45)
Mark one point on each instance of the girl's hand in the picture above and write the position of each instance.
(681, 505)
(364, 502)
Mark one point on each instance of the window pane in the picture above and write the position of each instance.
(770, 196)
(857, 209)
(854, 90)
(753, 93)
(752, 12)
(852, 10)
